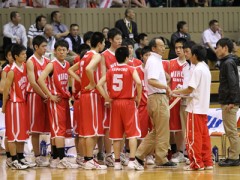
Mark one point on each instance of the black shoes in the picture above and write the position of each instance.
(229, 162)
(168, 164)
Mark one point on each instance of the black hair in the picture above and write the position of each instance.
(38, 40)
(83, 48)
(113, 32)
(145, 50)
(13, 14)
(73, 25)
(87, 36)
(7, 50)
(138, 53)
(199, 51)
(141, 36)
(188, 44)
(121, 54)
(97, 37)
(53, 14)
(180, 25)
(153, 42)
(39, 18)
(212, 22)
(62, 43)
(127, 11)
(128, 42)
(180, 40)
(17, 49)
(226, 42)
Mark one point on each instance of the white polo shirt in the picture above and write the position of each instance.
(208, 36)
(154, 70)
(200, 82)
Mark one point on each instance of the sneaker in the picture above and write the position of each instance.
(27, 163)
(100, 156)
(17, 165)
(208, 167)
(117, 166)
(109, 161)
(54, 163)
(80, 161)
(150, 160)
(9, 162)
(124, 158)
(93, 164)
(168, 164)
(178, 157)
(66, 163)
(187, 161)
(42, 161)
(229, 162)
(188, 168)
(135, 165)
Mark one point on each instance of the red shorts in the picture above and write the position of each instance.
(76, 115)
(37, 112)
(59, 118)
(144, 121)
(106, 119)
(91, 115)
(175, 120)
(124, 119)
(17, 123)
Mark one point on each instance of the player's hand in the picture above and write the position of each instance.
(90, 86)
(168, 91)
(229, 107)
(3, 109)
(137, 100)
(55, 99)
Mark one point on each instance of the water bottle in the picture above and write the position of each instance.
(43, 148)
(215, 152)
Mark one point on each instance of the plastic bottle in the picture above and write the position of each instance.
(215, 153)
(43, 148)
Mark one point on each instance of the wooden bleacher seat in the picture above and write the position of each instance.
(215, 75)
(166, 53)
(214, 87)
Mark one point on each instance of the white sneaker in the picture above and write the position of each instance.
(124, 158)
(54, 163)
(42, 161)
(135, 165)
(18, 165)
(178, 158)
(27, 163)
(80, 161)
(109, 161)
(187, 161)
(9, 162)
(150, 160)
(117, 166)
(188, 168)
(67, 163)
(208, 167)
(93, 164)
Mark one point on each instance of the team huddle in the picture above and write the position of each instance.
(117, 98)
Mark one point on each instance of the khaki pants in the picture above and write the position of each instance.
(230, 127)
(158, 138)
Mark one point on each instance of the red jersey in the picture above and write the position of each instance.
(110, 59)
(120, 82)
(176, 73)
(140, 71)
(166, 65)
(58, 81)
(84, 79)
(18, 88)
(7, 68)
(38, 68)
(134, 62)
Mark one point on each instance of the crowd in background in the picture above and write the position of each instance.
(116, 3)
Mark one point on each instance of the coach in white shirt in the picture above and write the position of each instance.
(158, 108)
(14, 32)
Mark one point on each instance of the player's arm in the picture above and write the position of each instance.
(92, 66)
(32, 80)
(8, 84)
(103, 66)
(155, 83)
(72, 70)
(186, 91)
(139, 86)
(42, 84)
(3, 80)
(101, 90)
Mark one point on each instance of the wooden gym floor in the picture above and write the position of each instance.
(219, 173)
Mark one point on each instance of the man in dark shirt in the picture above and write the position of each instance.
(229, 98)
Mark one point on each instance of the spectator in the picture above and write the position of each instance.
(48, 34)
(60, 30)
(44, 4)
(182, 32)
(209, 39)
(86, 37)
(127, 25)
(14, 32)
(139, 3)
(36, 29)
(119, 3)
(142, 41)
